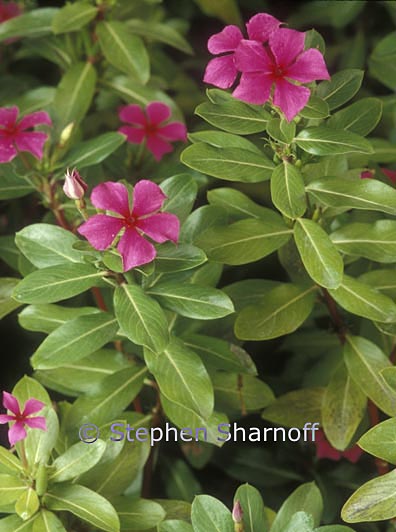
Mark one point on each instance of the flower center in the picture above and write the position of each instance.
(150, 129)
(278, 72)
(9, 131)
(130, 222)
(19, 417)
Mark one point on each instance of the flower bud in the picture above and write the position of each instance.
(66, 134)
(74, 186)
(237, 512)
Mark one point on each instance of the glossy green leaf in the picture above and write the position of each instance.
(175, 525)
(157, 31)
(181, 191)
(254, 517)
(73, 17)
(56, 283)
(315, 108)
(240, 393)
(238, 205)
(360, 299)
(208, 513)
(321, 140)
(124, 50)
(47, 245)
(288, 190)
(138, 514)
(141, 318)
(16, 524)
(300, 521)
(78, 458)
(382, 280)
(364, 194)
(306, 497)
(13, 185)
(85, 504)
(234, 116)
(93, 151)
(9, 463)
(179, 480)
(344, 405)
(171, 258)
(11, 488)
(192, 300)
(295, 408)
(244, 241)
(382, 61)
(318, 254)
(281, 130)
(47, 522)
(27, 504)
(365, 362)
(31, 24)
(341, 88)
(47, 318)
(361, 117)
(232, 164)
(7, 302)
(284, 309)
(380, 441)
(220, 139)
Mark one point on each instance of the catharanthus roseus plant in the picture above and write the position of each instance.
(189, 319)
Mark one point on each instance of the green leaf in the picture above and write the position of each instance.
(364, 194)
(254, 517)
(93, 151)
(284, 309)
(380, 440)
(74, 340)
(307, 498)
(11, 488)
(175, 525)
(56, 283)
(35, 23)
(47, 522)
(7, 303)
(244, 241)
(382, 61)
(341, 88)
(15, 523)
(179, 480)
(360, 299)
(171, 259)
(47, 318)
(27, 504)
(73, 17)
(181, 191)
(318, 254)
(315, 108)
(193, 301)
(365, 362)
(321, 140)
(374, 501)
(114, 394)
(123, 50)
(47, 245)
(208, 513)
(238, 205)
(141, 317)
(240, 393)
(220, 139)
(53, 49)
(13, 185)
(361, 117)
(232, 164)
(300, 521)
(375, 241)
(281, 130)
(157, 31)
(382, 280)
(235, 116)
(182, 377)
(288, 190)
(9, 463)
(85, 504)
(78, 458)
(74, 94)
(138, 514)
(294, 408)
(344, 405)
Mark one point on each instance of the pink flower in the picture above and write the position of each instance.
(9, 10)
(278, 67)
(74, 186)
(221, 71)
(17, 432)
(325, 450)
(142, 218)
(367, 174)
(16, 135)
(149, 126)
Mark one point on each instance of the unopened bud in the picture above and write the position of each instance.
(66, 134)
(74, 186)
(237, 513)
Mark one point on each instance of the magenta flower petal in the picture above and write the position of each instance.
(135, 135)
(16, 433)
(290, 98)
(11, 403)
(132, 114)
(157, 112)
(31, 141)
(7, 149)
(8, 116)
(226, 40)
(38, 422)
(253, 88)
(286, 45)
(309, 66)
(261, 26)
(111, 197)
(158, 147)
(32, 406)
(100, 230)
(173, 131)
(221, 72)
(161, 227)
(147, 198)
(390, 174)
(4, 418)
(35, 119)
(135, 250)
(353, 454)
(251, 57)
(367, 174)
